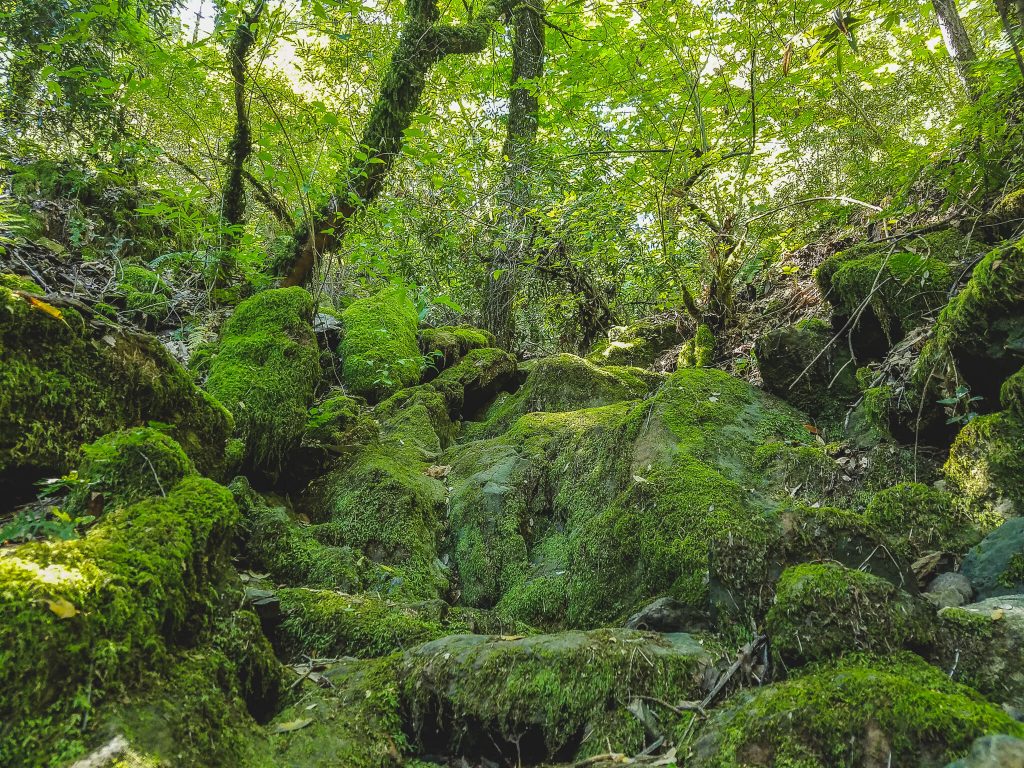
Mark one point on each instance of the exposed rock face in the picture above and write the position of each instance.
(993, 752)
(996, 565)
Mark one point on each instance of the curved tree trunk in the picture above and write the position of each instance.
(514, 191)
(423, 43)
(233, 200)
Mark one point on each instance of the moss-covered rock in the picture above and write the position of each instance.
(563, 383)
(744, 566)
(919, 519)
(145, 293)
(526, 698)
(982, 645)
(128, 466)
(996, 565)
(276, 543)
(326, 624)
(1006, 217)
(65, 382)
(355, 722)
(699, 351)
(985, 469)
(888, 288)
(379, 352)
(640, 344)
(861, 710)
(443, 347)
(802, 365)
(336, 427)
(81, 620)
(977, 337)
(825, 610)
(14, 282)
(1011, 395)
(265, 371)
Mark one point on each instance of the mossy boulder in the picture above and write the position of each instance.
(983, 644)
(802, 365)
(886, 289)
(985, 469)
(1006, 217)
(562, 383)
(65, 382)
(327, 624)
(82, 620)
(639, 344)
(265, 371)
(825, 610)
(1011, 395)
(479, 376)
(920, 519)
(379, 352)
(977, 342)
(862, 710)
(745, 566)
(587, 515)
(526, 698)
(128, 466)
(146, 294)
(443, 347)
(336, 427)
(996, 565)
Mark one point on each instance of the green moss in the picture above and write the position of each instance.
(826, 610)
(977, 335)
(919, 520)
(265, 372)
(477, 378)
(859, 711)
(478, 695)
(445, 346)
(801, 364)
(698, 352)
(890, 287)
(128, 466)
(639, 344)
(801, 471)
(63, 384)
(275, 543)
(421, 415)
(985, 469)
(19, 283)
(379, 352)
(322, 624)
(355, 723)
(563, 383)
(145, 292)
(82, 619)
(1011, 396)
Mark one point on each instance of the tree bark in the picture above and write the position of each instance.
(958, 44)
(423, 43)
(233, 199)
(514, 190)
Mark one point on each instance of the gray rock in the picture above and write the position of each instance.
(328, 330)
(949, 590)
(666, 614)
(993, 752)
(996, 565)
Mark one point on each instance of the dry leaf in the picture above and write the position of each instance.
(997, 614)
(291, 725)
(438, 471)
(787, 60)
(42, 306)
(62, 608)
(511, 637)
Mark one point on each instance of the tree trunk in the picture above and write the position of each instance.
(1013, 35)
(514, 190)
(958, 44)
(423, 43)
(233, 200)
